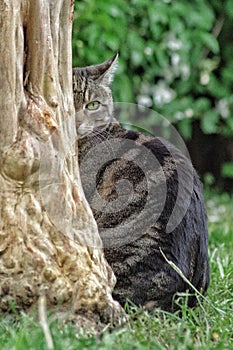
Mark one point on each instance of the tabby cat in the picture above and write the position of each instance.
(122, 171)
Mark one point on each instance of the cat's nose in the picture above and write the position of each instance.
(77, 123)
(79, 118)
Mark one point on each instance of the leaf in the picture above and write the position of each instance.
(209, 122)
(227, 170)
(210, 41)
(185, 127)
(229, 8)
(202, 104)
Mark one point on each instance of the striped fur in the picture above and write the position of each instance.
(134, 252)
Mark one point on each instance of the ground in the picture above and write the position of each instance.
(210, 326)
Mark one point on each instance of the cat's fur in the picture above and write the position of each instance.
(143, 275)
(91, 84)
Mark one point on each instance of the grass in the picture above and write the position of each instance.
(202, 328)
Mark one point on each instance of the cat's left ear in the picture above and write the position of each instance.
(107, 70)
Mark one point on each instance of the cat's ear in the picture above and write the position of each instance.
(104, 72)
(109, 67)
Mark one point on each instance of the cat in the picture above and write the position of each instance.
(119, 168)
(92, 95)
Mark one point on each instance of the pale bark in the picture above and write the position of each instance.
(49, 242)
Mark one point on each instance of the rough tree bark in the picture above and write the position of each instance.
(49, 243)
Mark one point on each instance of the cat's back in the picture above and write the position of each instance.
(146, 197)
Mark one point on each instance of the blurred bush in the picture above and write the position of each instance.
(175, 56)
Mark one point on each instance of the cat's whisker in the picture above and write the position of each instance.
(97, 134)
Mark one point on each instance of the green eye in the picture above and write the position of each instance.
(92, 106)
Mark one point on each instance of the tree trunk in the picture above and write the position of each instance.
(49, 243)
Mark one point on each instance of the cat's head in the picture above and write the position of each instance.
(92, 95)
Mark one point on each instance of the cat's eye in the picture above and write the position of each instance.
(92, 106)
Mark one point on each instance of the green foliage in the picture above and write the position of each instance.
(201, 328)
(175, 56)
(227, 170)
